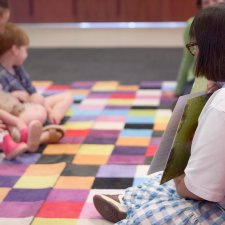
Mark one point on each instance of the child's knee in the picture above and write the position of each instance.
(69, 97)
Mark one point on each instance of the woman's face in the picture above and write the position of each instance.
(206, 3)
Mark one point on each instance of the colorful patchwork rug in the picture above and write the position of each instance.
(112, 133)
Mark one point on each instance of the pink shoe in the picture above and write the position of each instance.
(11, 148)
(32, 135)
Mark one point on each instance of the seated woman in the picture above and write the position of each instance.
(198, 195)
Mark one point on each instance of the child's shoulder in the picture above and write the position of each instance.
(3, 72)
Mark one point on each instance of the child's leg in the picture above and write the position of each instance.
(32, 112)
(59, 103)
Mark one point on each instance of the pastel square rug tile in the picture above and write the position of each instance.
(89, 212)
(140, 119)
(60, 210)
(14, 209)
(115, 171)
(53, 221)
(91, 159)
(13, 221)
(136, 133)
(12, 169)
(36, 182)
(78, 125)
(94, 149)
(123, 159)
(129, 150)
(108, 125)
(133, 141)
(100, 140)
(27, 195)
(61, 149)
(92, 222)
(8, 181)
(68, 195)
(74, 182)
(3, 193)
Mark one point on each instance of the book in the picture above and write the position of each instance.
(174, 149)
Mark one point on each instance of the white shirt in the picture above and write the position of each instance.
(205, 171)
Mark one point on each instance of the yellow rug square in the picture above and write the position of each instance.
(69, 113)
(141, 112)
(78, 125)
(61, 149)
(96, 149)
(162, 119)
(36, 182)
(74, 182)
(50, 221)
(123, 102)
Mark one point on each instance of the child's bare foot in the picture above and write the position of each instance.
(34, 135)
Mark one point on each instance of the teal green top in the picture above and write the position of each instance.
(186, 70)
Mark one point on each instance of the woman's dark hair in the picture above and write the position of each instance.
(4, 4)
(208, 31)
(199, 4)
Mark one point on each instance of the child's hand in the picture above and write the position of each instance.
(22, 96)
(52, 118)
(2, 126)
(37, 98)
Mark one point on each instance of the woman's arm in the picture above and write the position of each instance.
(182, 189)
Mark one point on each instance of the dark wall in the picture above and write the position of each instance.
(101, 10)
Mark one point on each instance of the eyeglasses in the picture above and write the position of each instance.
(192, 48)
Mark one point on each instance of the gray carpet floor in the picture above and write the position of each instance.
(127, 65)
